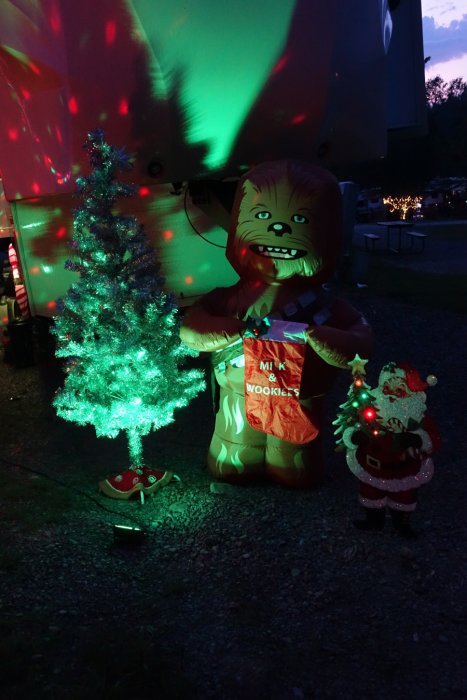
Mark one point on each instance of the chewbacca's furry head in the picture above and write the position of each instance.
(286, 222)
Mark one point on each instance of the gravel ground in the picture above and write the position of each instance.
(255, 592)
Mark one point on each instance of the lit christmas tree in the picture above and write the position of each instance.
(118, 328)
(359, 409)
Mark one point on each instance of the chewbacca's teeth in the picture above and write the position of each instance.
(260, 248)
(293, 252)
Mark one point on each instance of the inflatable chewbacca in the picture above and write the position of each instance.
(276, 337)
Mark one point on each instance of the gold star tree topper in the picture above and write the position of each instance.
(357, 366)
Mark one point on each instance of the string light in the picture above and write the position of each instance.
(402, 204)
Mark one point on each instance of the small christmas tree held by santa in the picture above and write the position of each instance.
(359, 408)
(118, 328)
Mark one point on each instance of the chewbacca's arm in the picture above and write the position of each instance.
(205, 331)
(346, 334)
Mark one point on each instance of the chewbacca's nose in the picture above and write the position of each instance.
(279, 228)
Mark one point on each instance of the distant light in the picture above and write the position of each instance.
(143, 191)
(51, 304)
(189, 280)
(35, 270)
(13, 134)
(35, 188)
(168, 235)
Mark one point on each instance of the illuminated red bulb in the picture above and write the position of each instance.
(375, 433)
(369, 413)
(358, 382)
(143, 191)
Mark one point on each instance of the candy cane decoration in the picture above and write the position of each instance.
(20, 289)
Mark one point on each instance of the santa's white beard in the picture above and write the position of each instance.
(396, 412)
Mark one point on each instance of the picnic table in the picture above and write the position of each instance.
(397, 226)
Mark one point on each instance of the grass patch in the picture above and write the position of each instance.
(443, 231)
(448, 292)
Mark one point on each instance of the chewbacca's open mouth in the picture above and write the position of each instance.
(269, 251)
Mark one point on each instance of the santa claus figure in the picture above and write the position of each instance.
(390, 454)
(277, 338)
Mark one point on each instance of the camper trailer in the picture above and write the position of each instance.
(196, 93)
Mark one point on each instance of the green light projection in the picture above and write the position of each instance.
(203, 43)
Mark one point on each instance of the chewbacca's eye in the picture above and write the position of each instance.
(263, 215)
(299, 219)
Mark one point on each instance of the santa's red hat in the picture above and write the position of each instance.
(410, 375)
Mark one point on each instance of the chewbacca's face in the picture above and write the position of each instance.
(279, 233)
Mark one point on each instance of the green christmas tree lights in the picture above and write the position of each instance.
(359, 408)
(117, 327)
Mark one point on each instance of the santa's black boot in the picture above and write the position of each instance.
(373, 520)
(401, 522)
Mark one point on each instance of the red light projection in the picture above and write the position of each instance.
(13, 134)
(167, 235)
(35, 69)
(123, 107)
(55, 23)
(73, 105)
(189, 280)
(281, 63)
(51, 304)
(298, 119)
(143, 191)
(35, 188)
(61, 232)
(110, 32)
